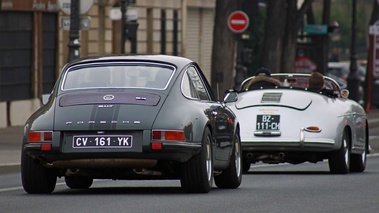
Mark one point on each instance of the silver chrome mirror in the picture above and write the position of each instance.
(344, 93)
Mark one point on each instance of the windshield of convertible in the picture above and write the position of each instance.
(291, 81)
(125, 75)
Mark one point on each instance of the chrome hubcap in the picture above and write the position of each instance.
(209, 159)
(237, 158)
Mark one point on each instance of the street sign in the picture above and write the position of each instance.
(85, 23)
(238, 21)
(65, 6)
(316, 29)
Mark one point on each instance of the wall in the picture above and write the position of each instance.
(103, 38)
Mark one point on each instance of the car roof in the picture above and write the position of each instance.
(175, 60)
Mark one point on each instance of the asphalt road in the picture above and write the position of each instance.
(11, 138)
(266, 188)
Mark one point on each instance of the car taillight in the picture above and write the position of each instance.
(165, 135)
(40, 136)
(313, 129)
(168, 135)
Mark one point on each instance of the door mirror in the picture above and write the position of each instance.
(345, 93)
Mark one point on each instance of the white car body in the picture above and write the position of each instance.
(291, 124)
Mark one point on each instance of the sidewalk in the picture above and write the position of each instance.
(11, 141)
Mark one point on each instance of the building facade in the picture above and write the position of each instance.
(34, 42)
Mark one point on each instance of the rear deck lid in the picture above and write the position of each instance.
(107, 111)
(286, 98)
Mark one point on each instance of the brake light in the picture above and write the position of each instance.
(169, 135)
(40, 136)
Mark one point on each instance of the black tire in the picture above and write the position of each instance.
(358, 161)
(339, 161)
(245, 166)
(36, 179)
(197, 173)
(231, 178)
(78, 182)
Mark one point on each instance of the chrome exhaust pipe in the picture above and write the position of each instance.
(249, 155)
(281, 155)
(147, 172)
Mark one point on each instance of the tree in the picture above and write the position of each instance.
(283, 22)
(224, 45)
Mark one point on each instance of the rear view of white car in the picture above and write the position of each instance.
(291, 124)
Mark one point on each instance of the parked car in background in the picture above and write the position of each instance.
(131, 117)
(340, 71)
(291, 124)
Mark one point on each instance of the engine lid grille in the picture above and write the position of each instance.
(271, 97)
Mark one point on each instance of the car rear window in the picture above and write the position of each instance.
(149, 76)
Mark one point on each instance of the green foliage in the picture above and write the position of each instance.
(341, 11)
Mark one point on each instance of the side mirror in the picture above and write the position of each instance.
(345, 93)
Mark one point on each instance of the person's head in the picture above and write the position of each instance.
(262, 72)
(316, 80)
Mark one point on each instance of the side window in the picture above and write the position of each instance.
(198, 83)
(188, 89)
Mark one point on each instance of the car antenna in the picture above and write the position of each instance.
(218, 91)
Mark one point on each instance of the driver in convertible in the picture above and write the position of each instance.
(316, 82)
(262, 79)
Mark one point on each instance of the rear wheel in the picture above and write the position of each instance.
(197, 173)
(358, 161)
(245, 166)
(78, 182)
(36, 179)
(231, 177)
(339, 161)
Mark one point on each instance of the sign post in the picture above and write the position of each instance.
(238, 22)
(74, 8)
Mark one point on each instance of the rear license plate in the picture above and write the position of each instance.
(114, 141)
(268, 122)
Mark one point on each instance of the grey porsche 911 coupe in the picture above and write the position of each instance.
(131, 117)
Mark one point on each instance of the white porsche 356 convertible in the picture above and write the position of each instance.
(291, 124)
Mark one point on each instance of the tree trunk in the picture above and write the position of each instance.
(224, 45)
(274, 34)
(282, 25)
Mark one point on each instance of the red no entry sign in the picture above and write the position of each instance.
(238, 21)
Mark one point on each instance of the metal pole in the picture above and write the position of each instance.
(123, 25)
(353, 80)
(133, 38)
(74, 43)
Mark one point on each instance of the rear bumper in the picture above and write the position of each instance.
(324, 145)
(175, 151)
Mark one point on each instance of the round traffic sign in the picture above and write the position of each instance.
(85, 6)
(238, 21)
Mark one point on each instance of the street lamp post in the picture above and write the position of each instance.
(131, 28)
(123, 26)
(353, 79)
(74, 43)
